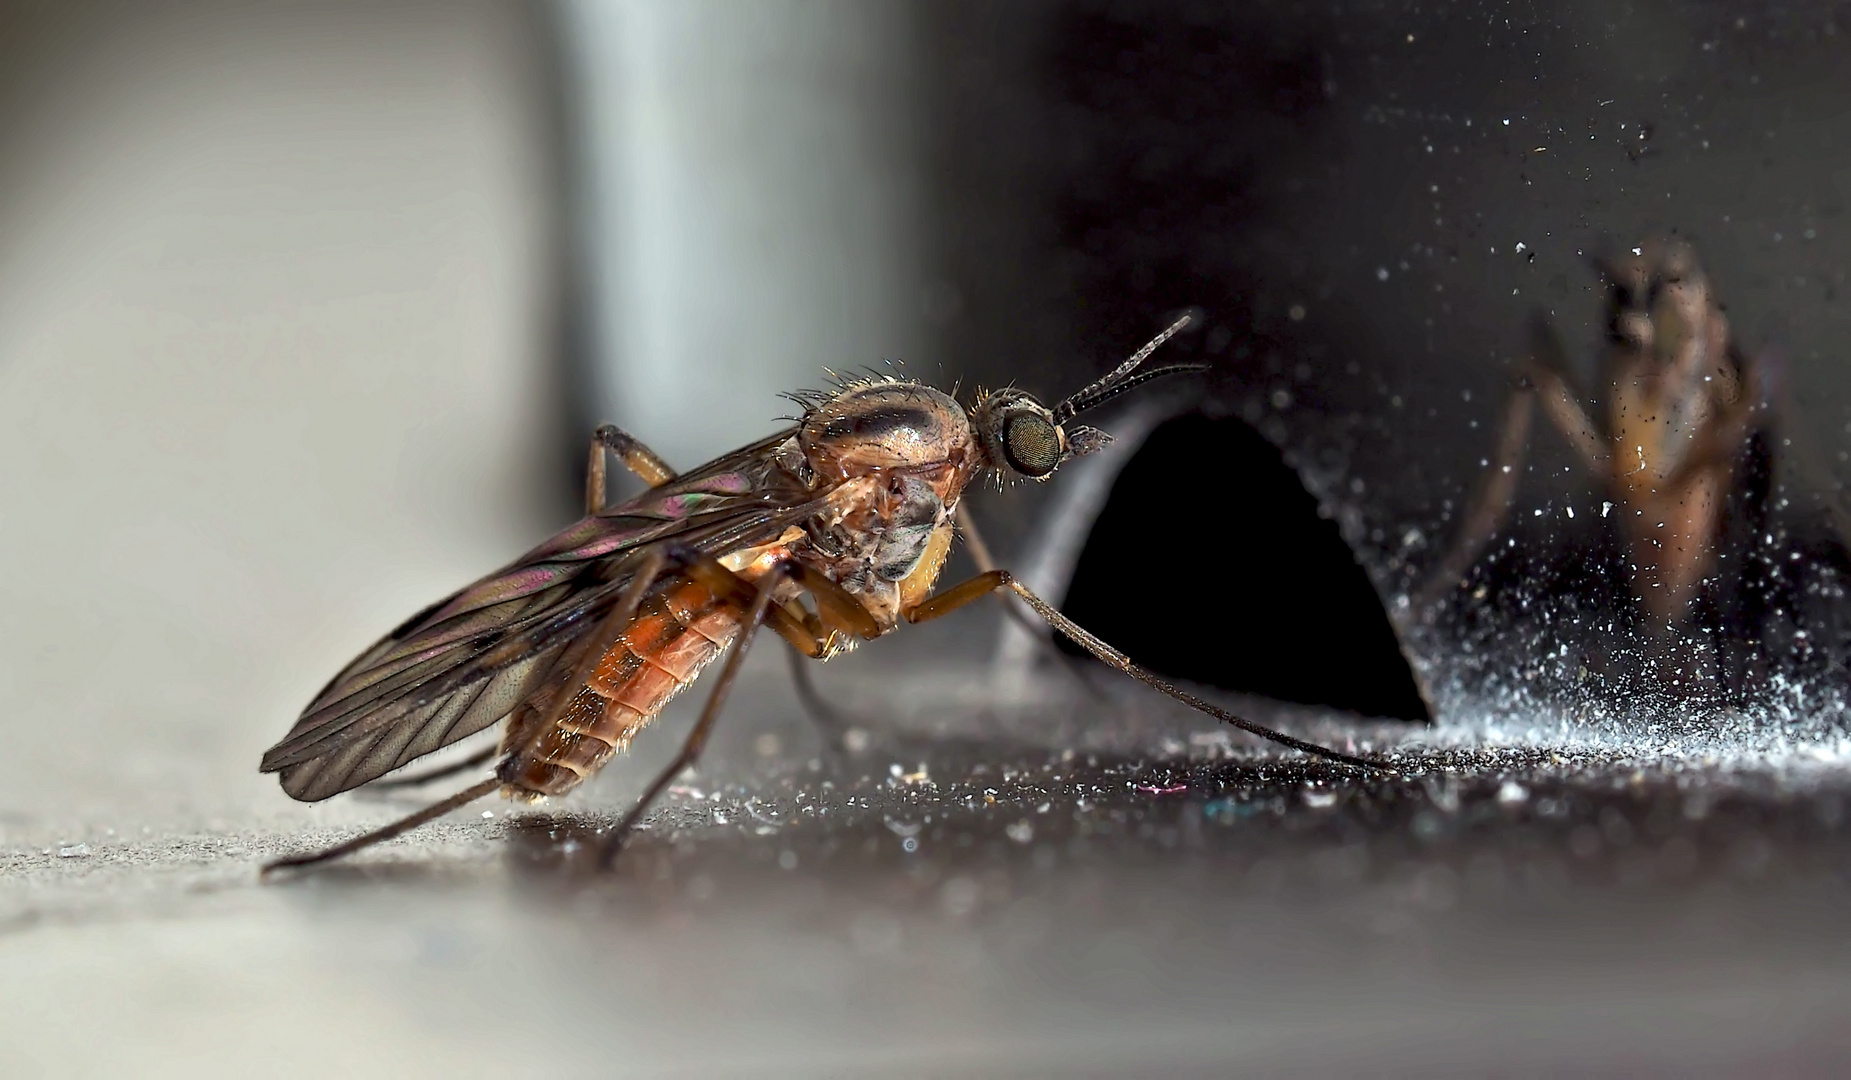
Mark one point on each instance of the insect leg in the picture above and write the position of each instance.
(967, 527)
(986, 583)
(1489, 503)
(654, 564)
(980, 554)
(1547, 370)
(811, 638)
(949, 600)
(636, 457)
(1541, 376)
(398, 828)
(1771, 405)
(837, 610)
(697, 738)
(986, 562)
(473, 761)
(837, 607)
(832, 598)
(830, 721)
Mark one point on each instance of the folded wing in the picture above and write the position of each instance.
(466, 662)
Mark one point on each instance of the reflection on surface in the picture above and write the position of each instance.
(1372, 207)
(1695, 575)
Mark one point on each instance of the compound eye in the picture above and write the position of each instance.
(1031, 444)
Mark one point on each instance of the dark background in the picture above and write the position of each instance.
(1343, 190)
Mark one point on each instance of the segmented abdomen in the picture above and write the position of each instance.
(677, 630)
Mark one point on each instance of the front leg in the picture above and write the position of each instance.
(980, 554)
(1547, 370)
(1543, 375)
(639, 459)
(984, 584)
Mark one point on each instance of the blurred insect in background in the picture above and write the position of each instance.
(829, 532)
(1686, 443)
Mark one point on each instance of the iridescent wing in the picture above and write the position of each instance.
(467, 661)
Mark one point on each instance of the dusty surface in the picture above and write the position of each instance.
(964, 897)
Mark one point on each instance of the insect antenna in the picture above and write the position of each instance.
(1139, 379)
(1121, 379)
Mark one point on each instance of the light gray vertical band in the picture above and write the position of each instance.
(752, 198)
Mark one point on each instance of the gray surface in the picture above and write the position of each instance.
(1182, 908)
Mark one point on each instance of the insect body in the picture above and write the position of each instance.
(830, 532)
(1683, 406)
(1684, 401)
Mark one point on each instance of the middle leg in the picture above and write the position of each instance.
(703, 727)
(419, 779)
(833, 724)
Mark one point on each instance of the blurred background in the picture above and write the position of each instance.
(306, 312)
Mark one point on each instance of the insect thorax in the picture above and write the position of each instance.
(894, 458)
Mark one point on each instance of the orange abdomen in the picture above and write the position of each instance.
(675, 633)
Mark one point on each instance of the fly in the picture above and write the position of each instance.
(830, 532)
(1687, 424)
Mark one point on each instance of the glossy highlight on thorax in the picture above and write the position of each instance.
(886, 425)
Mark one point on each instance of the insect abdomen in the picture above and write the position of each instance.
(676, 632)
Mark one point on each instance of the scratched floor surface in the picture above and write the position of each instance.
(1097, 885)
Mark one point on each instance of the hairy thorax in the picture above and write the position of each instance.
(890, 460)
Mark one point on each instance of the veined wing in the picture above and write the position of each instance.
(467, 661)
